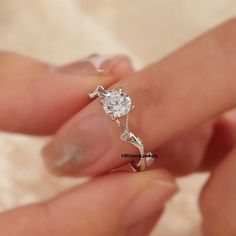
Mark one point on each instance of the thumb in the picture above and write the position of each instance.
(109, 205)
(37, 98)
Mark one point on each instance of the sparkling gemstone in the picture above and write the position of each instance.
(116, 103)
(125, 135)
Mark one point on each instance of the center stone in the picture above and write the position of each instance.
(116, 103)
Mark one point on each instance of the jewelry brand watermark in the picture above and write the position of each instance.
(130, 155)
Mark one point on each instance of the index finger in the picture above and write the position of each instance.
(188, 87)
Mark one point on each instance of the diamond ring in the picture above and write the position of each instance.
(117, 104)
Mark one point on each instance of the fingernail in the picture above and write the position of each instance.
(150, 200)
(83, 142)
(86, 66)
(98, 60)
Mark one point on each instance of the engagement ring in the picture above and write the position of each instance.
(118, 104)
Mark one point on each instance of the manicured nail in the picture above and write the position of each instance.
(78, 144)
(86, 66)
(98, 60)
(150, 200)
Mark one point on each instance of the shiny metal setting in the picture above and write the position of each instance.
(119, 107)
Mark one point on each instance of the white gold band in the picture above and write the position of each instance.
(117, 104)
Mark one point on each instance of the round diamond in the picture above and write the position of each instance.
(116, 103)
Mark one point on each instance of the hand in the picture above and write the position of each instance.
(180, 113)
(37, 98)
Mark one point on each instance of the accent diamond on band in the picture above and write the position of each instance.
(117, 104)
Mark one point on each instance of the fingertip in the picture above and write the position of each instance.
(122, 69)
(119, 66)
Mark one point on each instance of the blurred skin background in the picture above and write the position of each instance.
(61, 31)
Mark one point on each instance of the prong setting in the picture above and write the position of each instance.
(97, 92)
(117, 104)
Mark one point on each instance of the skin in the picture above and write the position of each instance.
(32, 103)
(189, 120)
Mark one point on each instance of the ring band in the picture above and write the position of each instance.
(117, 104)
